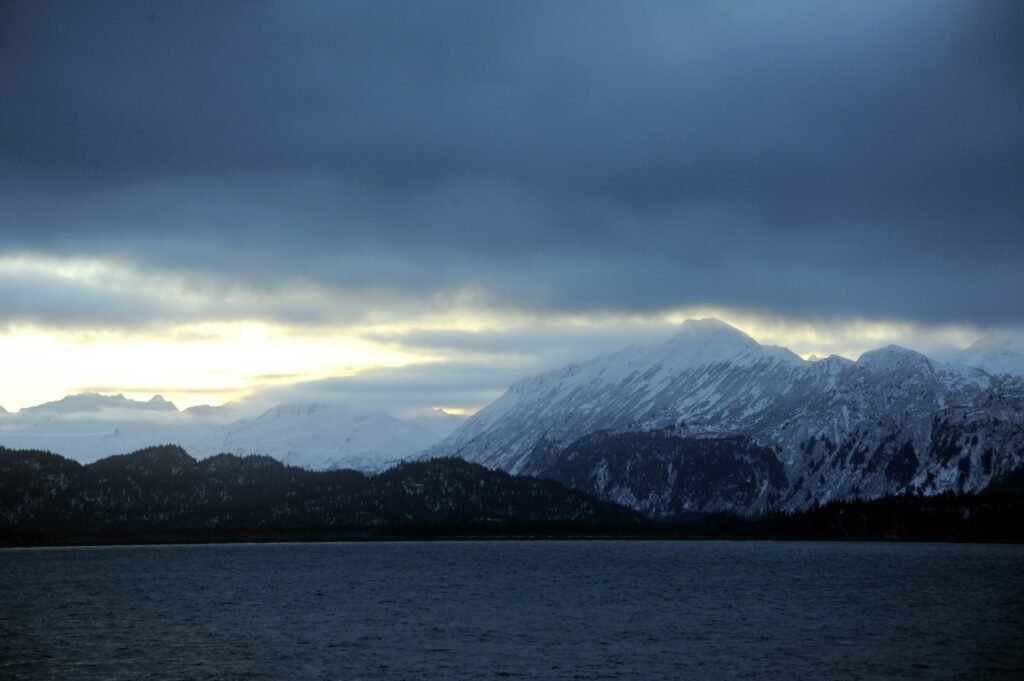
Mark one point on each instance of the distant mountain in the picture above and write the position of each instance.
(226, 411)
(321, 437)
(713, 421)
(87, 427)
(1001, 353)
(164, 489)
(93, 402)
(437, 421)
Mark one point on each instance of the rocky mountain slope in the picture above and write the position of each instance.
(714, 404)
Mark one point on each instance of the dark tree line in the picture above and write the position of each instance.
(162, 494)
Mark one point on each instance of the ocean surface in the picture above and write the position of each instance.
(538, 610)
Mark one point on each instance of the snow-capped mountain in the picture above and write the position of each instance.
(88, 427)
(710, 378)
(321, 436)
(437, 421)
(1000, 353)
(636, 426)
(94, 402)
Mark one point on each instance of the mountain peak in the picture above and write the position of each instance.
(890, 357)
(158, 402)
(996, 353)
(92, 402)
(893, 350)
(706, 341)
(711, 327)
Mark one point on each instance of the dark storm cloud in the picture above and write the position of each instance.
(803, 158)
(35, 299)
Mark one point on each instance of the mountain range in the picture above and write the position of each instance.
(710, 420)
(714, 421)
(161, 494)
(88, 426)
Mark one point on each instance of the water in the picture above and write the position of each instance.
(542, 610)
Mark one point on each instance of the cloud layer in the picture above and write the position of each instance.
(494, 187)
(859, 158)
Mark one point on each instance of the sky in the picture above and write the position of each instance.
(411, 205)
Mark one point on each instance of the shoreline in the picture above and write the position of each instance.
(412, 537)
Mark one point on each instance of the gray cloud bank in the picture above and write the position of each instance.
(853, 158)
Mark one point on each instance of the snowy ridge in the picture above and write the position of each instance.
(891, 421)
(1001, 353)
(706, 375)
(94, 402)
(323, 436)
(318, 436)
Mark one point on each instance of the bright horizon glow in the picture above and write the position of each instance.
(197, 364)
(214, 363)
